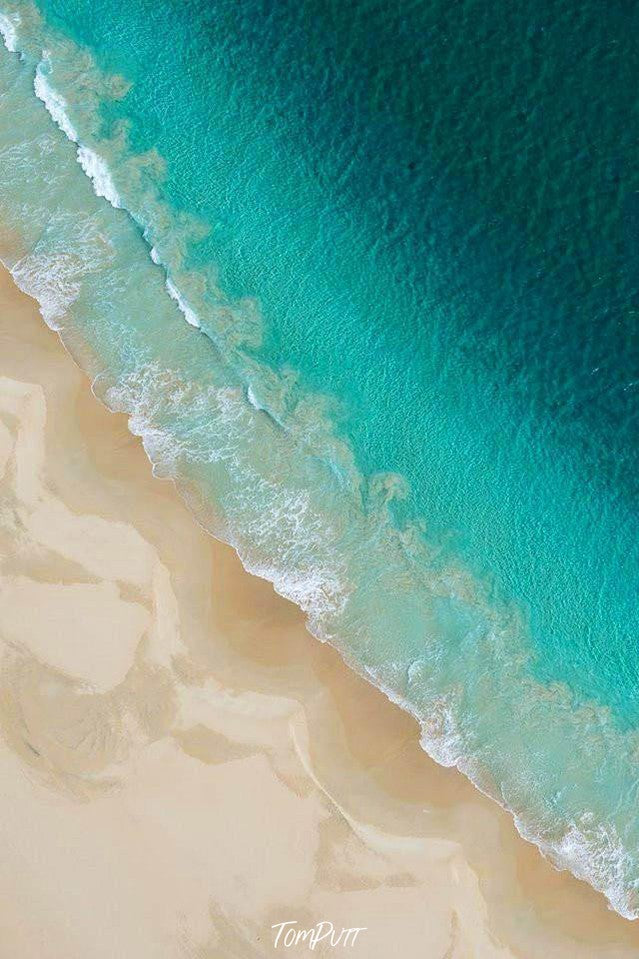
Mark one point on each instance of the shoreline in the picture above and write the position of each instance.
(216, 676)
(510, 746)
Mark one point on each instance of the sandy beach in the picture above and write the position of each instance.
(182, 767)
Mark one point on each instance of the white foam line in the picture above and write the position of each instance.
(9, 33)
(55, 104)
(251, 397)
(92, 164)
(189, 314)
(98, 172)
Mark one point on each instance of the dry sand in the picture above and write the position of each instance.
(182, 766)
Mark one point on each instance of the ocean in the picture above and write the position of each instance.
(365, 278)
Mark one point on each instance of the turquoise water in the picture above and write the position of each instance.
(403, 380)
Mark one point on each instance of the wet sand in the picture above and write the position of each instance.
(182, 766)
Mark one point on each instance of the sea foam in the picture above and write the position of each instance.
(98, 172)
(189, 314)
(93, 165)
(8, 32)
(51, 280)
(55, 104)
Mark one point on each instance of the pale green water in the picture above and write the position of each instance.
(414, 406)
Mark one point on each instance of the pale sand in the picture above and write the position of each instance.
(182, 765)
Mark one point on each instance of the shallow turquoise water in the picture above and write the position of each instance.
(409, 233)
